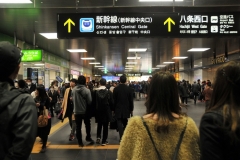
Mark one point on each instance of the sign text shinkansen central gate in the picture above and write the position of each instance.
(148, 25)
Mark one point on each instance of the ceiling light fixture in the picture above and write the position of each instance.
(137, 50)
(99, 66)
(160, 0)
(39, 64)
(161, 65)
(88, 58)
(95, 63)
(15, 1)
(131, 62)
(179, 57)
(133, 57)
(168, 62)
(155, 68)
(49, 35)
(130, 66)
(76, 50)
(198, 49)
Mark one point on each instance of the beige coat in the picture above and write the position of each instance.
(64, 103)
(136, 144)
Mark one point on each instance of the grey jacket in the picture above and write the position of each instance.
(81, 99)
(18, 123)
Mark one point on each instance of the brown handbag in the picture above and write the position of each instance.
(43, 119)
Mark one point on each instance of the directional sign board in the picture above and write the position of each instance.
(148, 25)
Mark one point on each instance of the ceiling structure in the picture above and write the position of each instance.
(26, 21)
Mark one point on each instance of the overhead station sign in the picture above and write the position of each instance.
(31, 55)
(148, 25)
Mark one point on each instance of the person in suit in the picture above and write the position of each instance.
(123, 104)
(54, 96)
(30, 85)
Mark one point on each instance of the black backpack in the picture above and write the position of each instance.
(102, 99)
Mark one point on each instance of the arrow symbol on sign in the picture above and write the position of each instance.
(169, 21)
(69, 22)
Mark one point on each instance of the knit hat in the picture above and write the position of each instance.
(10, 58)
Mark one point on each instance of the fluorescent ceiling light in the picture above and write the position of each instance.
(15, 1)
(137, 50)
(168, 62)
(195, 65)
(161, 65)
(49, 35)
(131, 62)
(88, 58)
(155, 68)
(133, 57)
(97, 75)
(95, 63)
(76, 50)
(179, 57)
(36, 67)
(39, 64)
(130, 66)
(99, 66)
(160, 0)
(198, 49)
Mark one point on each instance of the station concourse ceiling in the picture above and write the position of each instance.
(23, 20)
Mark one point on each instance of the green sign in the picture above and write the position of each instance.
(32, 55)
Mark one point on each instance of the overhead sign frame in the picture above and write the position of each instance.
(205, 24)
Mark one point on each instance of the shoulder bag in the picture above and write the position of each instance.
(178, 144)
(43, 118)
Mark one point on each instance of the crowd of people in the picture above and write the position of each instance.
(164, 132)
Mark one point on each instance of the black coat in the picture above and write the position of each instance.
(32, 88)
(54, 96)
(103, 112)
(123, 101)
(215, 141)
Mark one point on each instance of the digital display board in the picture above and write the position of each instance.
(31, 55)
(74, 25)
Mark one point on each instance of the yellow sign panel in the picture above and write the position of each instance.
(69, 22)
(169, 21)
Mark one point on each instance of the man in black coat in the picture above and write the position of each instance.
(30, 85)
(54, 96)
(123, 104)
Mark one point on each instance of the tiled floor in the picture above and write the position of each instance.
(60, 148)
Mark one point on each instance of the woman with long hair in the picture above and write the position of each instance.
(164, 132)
(220, 125)
(42, 100)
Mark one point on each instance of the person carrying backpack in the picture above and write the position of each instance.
(18, 113)
(104, 108)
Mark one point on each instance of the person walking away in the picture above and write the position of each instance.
(104, 108)
(207, 93)
(54, 96)
(184, 93)
(164, 132)
(137, 90)
(43, 104)
(18, 114)
(195, 91)
(145, 90)
(220, 125)
(123, 104)
(67, 107)
(82, 99)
